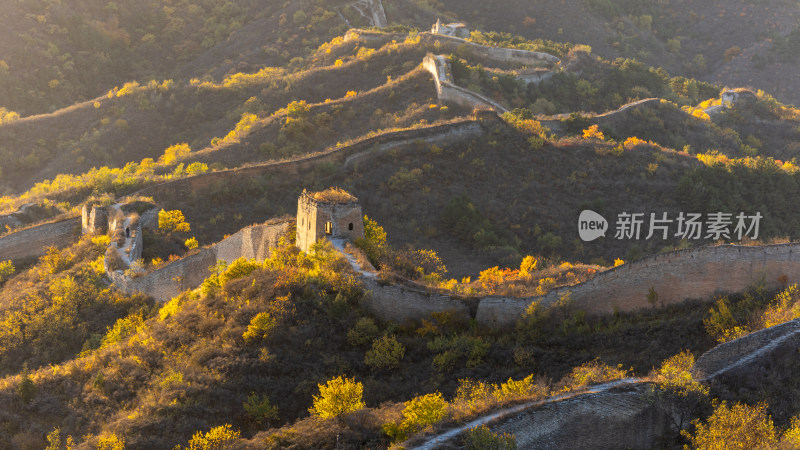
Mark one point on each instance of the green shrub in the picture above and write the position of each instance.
(482, 438)
(386, 353)
(26, 388)
(260, 327)
(457, 350)
(259, 409)
(373, 244)
(123, 328)
(362, 332)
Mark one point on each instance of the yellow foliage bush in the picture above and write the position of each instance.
(260, 327)
(736, 427)
(7, 116)
(419, 413)
(242, 128)
(191, 243)
(675, 373)
(338, 397)
(175, 153)
(784, 307)
(632, 142)
(593, 372)
(217, 438)
(173, 221)
(593, 132)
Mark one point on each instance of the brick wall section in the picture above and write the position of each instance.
(189, 272)
(526, 57)
(441, 134)
(149, 219)
(401, 304)
(32, 242)
(618, 418)
(675, 276)
(624, 417)
(170, 280)
(254, 242)
(447, 91)
(727, 353)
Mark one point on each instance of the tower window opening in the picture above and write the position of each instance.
(350, 227)
(328, 228)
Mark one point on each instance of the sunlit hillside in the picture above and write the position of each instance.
(469, 206)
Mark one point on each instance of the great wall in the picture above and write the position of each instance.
(164, 283)
(614, 415)
(625, 288)
(622, 413)
(30, 243)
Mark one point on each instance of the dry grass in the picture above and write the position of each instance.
(333, 195)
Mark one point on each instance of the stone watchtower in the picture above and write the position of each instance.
(94, 219)
(332, 213)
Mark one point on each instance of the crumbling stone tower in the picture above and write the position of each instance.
(94, 219)
(332, 213)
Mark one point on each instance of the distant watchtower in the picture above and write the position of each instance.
(451, 29)
(332, 213)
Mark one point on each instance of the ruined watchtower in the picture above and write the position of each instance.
(459, 30)
(94, 218)
(332, 213)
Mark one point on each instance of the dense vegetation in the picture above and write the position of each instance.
(281, 352)
(247, 349)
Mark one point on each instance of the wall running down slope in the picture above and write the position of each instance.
(621, 414)
(33, 242)
(674, 277)
(447, 133)
(253, 242)
(448, 91)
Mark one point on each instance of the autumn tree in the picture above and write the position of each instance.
(337, 398)
(386, 353)
(173, 221)
(373, 244)
(736, 427)
(6, 271)
(218, 438)
(419, 413)
(676, 392)
(175, 153)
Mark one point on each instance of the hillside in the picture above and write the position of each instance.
(726, 42)
(140, 142)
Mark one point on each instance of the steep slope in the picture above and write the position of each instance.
(686, 38)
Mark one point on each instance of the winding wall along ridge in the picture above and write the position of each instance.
(448, 91)
(253, 242)
(619, 414)
(697, 273)
(33, 242)
(346, 155)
